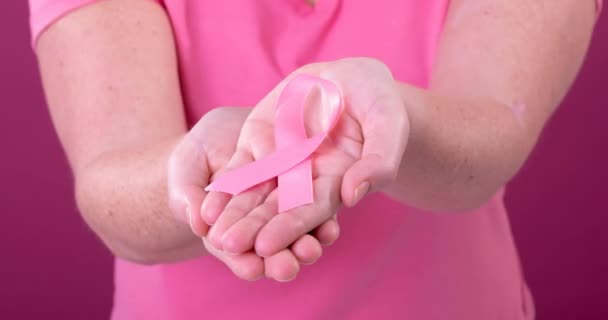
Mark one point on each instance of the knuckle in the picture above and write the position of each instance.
(385, 170)
(298, 223)
(387, 174)
(232, 212)
(258, 220)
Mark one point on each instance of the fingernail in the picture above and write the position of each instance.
(189, 213)
(211, 235)
(287, 280)
(204, 214)
(213, 239)
(361, 191)
(204, 210)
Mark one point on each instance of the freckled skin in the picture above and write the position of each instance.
(463, 140)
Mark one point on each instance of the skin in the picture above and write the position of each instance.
(501, 70)
(96, 65)
(206, 150)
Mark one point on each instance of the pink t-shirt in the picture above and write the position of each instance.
(391, 261)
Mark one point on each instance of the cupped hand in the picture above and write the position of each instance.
(362, 154)
(201, 154)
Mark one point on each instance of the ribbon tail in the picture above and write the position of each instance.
(295, 186)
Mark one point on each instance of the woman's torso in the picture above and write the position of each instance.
(391, 261)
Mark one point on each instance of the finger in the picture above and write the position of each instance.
(385, 132)
(241, 236)
(382, 116)
(194, 199)
(247, 266)
(215, 202)
(238, 208)
(328, 232)
(285, 228)
(213, 205)
(307, 249)
(282, 266)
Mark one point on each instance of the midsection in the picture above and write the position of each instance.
(390, 260)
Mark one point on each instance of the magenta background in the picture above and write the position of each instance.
(52, 266)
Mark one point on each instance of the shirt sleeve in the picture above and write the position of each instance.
(44, 12)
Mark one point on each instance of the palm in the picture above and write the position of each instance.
(204, 152)
(263, 228)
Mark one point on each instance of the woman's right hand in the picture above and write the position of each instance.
(201, 154)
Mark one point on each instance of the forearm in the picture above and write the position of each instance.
(122, 195)
(513, 62)
(460, 151)
(109, 71)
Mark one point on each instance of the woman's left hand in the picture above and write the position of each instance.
(363, 153)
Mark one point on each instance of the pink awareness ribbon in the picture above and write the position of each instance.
(290, 162)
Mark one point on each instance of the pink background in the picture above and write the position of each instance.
(52, 265)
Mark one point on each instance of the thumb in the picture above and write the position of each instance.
(385, 135)
(185, 203)
(187, 176)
